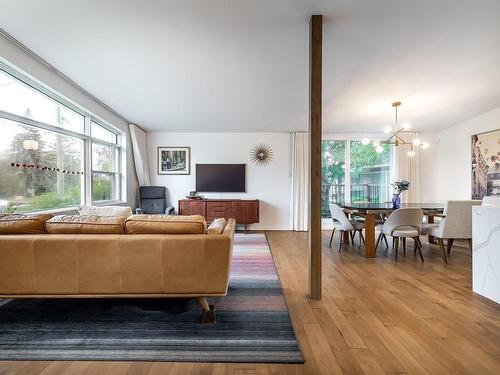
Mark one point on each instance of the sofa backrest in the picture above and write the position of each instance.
(165, 224)
(23, 224)
(83, 224)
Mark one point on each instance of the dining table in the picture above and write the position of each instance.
(370, 211)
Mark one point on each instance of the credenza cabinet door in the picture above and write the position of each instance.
(246, 212)
(192, 207)
(217, 209)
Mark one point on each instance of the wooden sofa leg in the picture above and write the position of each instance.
(207, 311)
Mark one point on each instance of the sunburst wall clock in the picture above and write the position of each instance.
(261, 155)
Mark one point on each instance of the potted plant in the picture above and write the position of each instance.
(399, 187)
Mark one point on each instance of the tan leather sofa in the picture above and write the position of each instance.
(142, 256)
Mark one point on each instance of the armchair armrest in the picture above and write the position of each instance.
(170, 211)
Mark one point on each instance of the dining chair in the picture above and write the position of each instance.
(455, 224)
(343, 224)
(401, 224)
(490, 201)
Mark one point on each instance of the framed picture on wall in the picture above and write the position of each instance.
(486, 164)
(174, 160)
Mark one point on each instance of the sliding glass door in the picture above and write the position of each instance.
(370, 173)
(353, 172)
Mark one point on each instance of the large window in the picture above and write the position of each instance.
(53, 154)
(353, 172)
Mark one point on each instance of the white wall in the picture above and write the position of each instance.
(24, 61)
(445, 169)
(270, 184)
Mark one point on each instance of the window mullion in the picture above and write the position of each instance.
(88, 164)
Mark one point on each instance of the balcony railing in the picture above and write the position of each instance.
(359, 193)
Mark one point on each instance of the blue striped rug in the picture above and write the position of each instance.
(253, 324)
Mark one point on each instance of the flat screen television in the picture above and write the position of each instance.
(220, 178)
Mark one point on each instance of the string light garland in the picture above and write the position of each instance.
(43, 168)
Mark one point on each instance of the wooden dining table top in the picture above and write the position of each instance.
(388, 206)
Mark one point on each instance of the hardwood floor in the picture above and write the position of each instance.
(376, 317)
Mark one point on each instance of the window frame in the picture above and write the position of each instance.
(86, 136)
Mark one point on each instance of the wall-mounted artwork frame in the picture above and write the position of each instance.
(173, 160)
(485, 156)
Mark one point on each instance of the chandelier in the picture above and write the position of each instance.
(396, 136)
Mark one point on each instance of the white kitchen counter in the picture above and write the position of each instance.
(486, 252)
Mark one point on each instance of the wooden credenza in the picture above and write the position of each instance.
(243, 211)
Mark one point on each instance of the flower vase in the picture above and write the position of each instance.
(396, 201)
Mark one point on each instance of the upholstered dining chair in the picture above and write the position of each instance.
(343, 224)
(455, 224)
(491, 201)
(401, 224)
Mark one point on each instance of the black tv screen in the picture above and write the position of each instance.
(220, 178)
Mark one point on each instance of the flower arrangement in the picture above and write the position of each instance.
(401, 186)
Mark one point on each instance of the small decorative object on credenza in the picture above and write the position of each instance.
(399, 187)
(194, 195)
(174, 160)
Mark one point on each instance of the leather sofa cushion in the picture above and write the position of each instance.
(23, 224)
(82, 224)
(165, 224)
(217, 226)
(115, 211)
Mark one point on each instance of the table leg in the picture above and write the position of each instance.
(430, 220)
(370, 236)
(346, 237)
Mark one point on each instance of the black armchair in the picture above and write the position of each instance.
(152, 200)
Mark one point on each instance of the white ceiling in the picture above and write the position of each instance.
(240, 65)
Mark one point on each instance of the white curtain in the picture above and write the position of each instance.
(138, 137)
(406, 168)
(300, 181)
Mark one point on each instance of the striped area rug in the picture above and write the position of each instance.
(253, 324)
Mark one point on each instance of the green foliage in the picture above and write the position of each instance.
(333, 166)
(365, 156)
(31, 189)
(11, 208)
(71, 197)
(47, 201)
(101, 188)
(401, 186)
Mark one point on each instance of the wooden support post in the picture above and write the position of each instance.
(315, 88)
